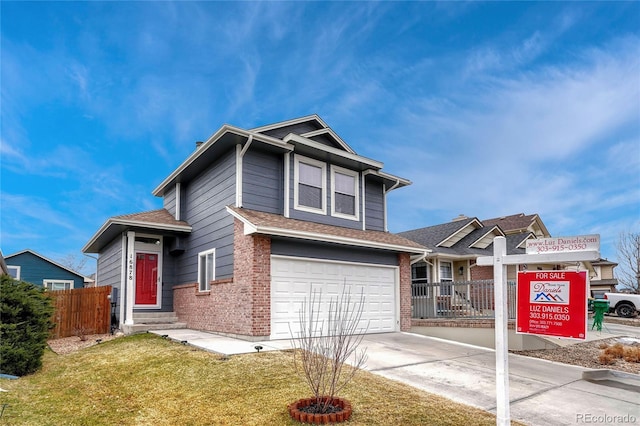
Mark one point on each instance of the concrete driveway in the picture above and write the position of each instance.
(541, 392)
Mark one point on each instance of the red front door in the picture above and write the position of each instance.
(146, 278)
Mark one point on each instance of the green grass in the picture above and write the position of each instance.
(146, 380)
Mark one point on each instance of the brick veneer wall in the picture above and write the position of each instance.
(240, 305)
(404, 263)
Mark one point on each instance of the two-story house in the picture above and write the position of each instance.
(253, 220)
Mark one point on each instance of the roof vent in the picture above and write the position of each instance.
(199, 144)
(460, 217)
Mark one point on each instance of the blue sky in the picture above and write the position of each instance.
(490, 109)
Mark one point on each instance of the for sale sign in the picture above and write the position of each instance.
(552, 303)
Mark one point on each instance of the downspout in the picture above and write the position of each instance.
(178, 200)
(287, 176)
(239, 155)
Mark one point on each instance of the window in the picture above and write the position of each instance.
(14, 271)
(446, 273)
(206, 269)
(344, 193)
(54, 285)
(310, 185)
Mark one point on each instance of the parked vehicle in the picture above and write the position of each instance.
(623, 304)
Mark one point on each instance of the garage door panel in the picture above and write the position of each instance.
(292, 279)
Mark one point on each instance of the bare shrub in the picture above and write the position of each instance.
(324, 345)
(631, 354)
(603, 345)
(606, 359)
(615, 351)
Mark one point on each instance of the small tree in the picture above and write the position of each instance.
(25, 322)
(628, 271)
(324, 346)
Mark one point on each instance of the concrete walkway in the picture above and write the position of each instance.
(541, 392)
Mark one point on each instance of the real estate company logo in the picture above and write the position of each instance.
(556, 292)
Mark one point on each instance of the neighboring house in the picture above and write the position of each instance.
(29, 266)
(252, 221)
(603, 279)
(454, 247)
(520, 223)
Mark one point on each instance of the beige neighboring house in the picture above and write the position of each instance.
(601, 277)
(456, 245)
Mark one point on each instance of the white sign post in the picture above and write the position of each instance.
(574, 252)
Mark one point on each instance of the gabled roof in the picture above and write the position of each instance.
(277, 225)
(519, 223)
(316, 129)
(309, 136)
(155, 221)
(8, 259)
(464, 238)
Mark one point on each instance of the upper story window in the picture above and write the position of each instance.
(57, 284)
(206, 269)
(344, 193)
(14, 271)
(310, 180)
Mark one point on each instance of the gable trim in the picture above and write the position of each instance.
(473, 221)
(212, 140)
(292, 137)
(291, 123)
(490, 231)
(331, 133)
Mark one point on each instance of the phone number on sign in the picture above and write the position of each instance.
(562, 247)
(549, 316)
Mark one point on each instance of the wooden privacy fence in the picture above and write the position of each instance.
(81, 311)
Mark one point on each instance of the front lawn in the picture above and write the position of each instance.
(147, 380)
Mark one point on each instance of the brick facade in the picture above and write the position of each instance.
(405, 291)
(238, 306)
(241, 305)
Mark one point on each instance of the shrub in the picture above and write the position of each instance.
(631, 354)
(324, 345)
(25, 322)
(615, 351)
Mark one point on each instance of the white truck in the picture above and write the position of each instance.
(623, 304)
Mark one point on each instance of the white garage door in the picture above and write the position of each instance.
(292, 279)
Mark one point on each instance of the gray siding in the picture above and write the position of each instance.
(297, 129)
(109, 270)
(262, 181)
(205, 199)
(374, 205)
(290, 247)
(169, 200)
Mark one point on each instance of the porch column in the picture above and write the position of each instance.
(131, 263)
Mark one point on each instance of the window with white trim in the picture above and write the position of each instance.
(14, 271)
(446, 276)
(310, 180)
(446, 271)
(54, 285)
(344, 193)
(206, 269)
